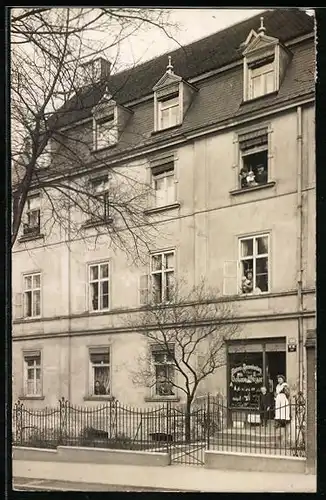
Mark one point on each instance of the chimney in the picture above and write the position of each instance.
(95, 71)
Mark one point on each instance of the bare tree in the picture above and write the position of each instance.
(49, 46)
(187, 337)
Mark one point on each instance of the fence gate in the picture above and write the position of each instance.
(188, 430)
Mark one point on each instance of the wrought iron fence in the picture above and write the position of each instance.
(211, 424)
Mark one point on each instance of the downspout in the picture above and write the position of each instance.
(299, 247)
(69, 303)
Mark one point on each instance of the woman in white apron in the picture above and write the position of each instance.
(282, 405)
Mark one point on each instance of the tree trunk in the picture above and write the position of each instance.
(188, 420)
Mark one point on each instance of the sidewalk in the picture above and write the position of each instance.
(173, 477)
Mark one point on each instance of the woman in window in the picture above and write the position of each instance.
(99, 388)
(247, 284)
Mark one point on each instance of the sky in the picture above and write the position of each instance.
(193, 24)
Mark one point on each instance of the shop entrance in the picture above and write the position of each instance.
(252, 364)
(275, 365)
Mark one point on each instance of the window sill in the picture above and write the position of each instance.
(254, 188)
(161, 399)
(255, 99)
(31, 237)
(39, 398)
(164, 208)
(167, 128)
(98, 398)
(106, 148)
(99, 311)
(31, 318)
(96, 223)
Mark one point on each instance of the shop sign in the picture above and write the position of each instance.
(247, 374)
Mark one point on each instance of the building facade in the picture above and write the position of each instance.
(223, 131)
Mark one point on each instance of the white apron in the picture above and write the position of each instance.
(282, 406)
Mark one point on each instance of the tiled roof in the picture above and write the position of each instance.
(212, 52)
(219, 100)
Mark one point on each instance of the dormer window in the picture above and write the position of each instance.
(172, 98)
(262, 80)
(106, 133)
(169, 111)
(264, 64)
(109, 120)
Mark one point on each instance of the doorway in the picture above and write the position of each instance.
(275, 365)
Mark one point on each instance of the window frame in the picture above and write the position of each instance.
(254, 256)
(161, 106)
(99, 280)
(99, 121)
(262, 71)
(244, 153)
(28, 229)
(102, 349)
(163, 271)
(102, 195)
(32, 290)
(163, 171)
(160, 349)
(28, 354)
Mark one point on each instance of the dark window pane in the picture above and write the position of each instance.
(104, 270)
(156, 262)
(262, 274)
(94, 296)
(36, 303)
(157, 287)
(28, 303)
(246, 248)
(100, 358)
(262, 245)
(261, 265)
(94, 273)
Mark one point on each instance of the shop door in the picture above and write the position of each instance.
(275, 365)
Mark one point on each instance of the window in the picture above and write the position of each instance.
(99, 371)
(32, 295)
(162, 277)
(99, 286)
(168, 110)
(164, 370)
(261, 80)
(100, 189)
(32, 224)
(254, 262)
(164, 184)
(105, 132)
(32, 373)
(254, 159)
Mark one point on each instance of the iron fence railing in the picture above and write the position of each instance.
(210, 425)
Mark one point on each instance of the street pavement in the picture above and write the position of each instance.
(175, 477)
(27, 484)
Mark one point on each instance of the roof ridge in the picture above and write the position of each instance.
(193, 42)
